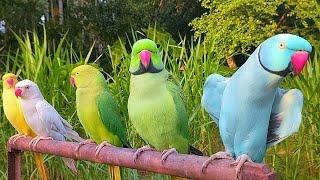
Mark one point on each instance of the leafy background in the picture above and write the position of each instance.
(194, 40)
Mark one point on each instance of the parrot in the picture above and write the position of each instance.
(43, 119)
(156, 104)
(15, 116)
(250, 109)
(98, 111)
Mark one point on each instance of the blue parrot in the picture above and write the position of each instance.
(252, 112)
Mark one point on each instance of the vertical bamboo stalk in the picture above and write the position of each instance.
(14, 165)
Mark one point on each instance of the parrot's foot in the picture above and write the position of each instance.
(18, 137)
(141, 150)
(103, 144)
(33, 143)
(87, 141)
(240, 161)
(166, 153)
(12, 138)
(218, 155)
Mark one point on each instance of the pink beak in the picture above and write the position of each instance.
(145, 57)
(298, 60)
(10, 81)
(18, 92)
(73, 82)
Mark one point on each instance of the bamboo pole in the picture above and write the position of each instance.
(176, 164)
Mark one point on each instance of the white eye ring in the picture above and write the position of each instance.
(282, 45)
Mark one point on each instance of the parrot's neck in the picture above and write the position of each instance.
(85, 94)
(10, 103)
(29, 106)
(148, 84)
(255, 77)
(91, 89)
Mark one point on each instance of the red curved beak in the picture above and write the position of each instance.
(18, 92)
(10, 81)
(73, 82)
(299, 60)
(145, 57)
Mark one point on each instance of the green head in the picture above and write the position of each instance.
(145, 58)
(86, 76)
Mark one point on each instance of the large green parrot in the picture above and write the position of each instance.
(156, 104)
(98, 111)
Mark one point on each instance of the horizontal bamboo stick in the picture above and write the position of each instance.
(176, 164)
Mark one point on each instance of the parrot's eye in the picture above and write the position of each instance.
(77, 73)
(27, 87)
(282, 45)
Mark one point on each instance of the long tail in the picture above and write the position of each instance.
(41, 166)
(115, 172)
(71, 164)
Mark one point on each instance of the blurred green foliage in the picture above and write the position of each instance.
(238, 26)
(100, 21)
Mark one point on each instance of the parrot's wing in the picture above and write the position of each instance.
(212, 95)
(285, 115)
(176, 92)
(50, 117)
(111, 117)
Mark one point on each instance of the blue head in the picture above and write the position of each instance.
(284, 53)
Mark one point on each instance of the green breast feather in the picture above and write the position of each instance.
(157, 111)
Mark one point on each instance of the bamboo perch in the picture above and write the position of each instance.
(176, 164)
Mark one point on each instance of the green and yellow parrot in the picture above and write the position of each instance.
(156, 103)
(98, 111)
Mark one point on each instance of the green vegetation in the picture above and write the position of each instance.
(100, 31)
(101, 21)
(295, 158)
(238, 26)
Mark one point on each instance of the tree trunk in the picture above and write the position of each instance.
(60, 12)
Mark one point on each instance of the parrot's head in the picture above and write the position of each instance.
(284, 53)
(27, 89)
(85, 76)
(145, 58)
(9, 80)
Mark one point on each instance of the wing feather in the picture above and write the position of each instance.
(286, 115)
(212, 95)
(111, 116)
(50, 117)
(55, 124)
(177, 94)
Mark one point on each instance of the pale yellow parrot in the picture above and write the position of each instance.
(11, 107)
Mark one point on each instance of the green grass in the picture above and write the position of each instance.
(295, 158)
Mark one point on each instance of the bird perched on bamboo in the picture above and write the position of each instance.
(15, 116)
(156, 103)
(98, 111)
(43, 119)
(252, 112)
